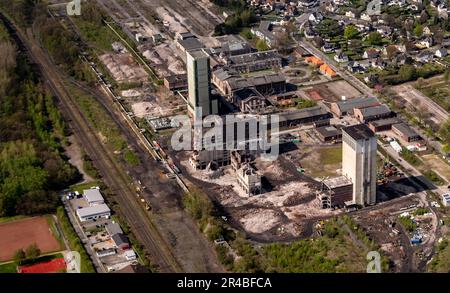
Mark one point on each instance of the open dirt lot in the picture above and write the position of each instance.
(333, 91)
(438, 165)
(318, 162)
(20, 234)
(285, 210)
(123, 68)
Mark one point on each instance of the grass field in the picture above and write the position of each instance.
(10, 219)
(323, 161)
(83, 186)
(8, 268)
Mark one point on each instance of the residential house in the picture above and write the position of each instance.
(371, 79)
(340, 57)
(331, 7)
(350, 14)
(308, 3)
(310, 33)
(441, 52)
(384, 30)
(120, 241)
(355, 67)
(366, 17)
(424, 57)
(315, 17)
(371, 54)
(378, 63)
(427, 31)
(326, 70)
(428, 42)
(328, 47)
(313, 60)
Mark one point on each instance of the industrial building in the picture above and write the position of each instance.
(190, 44)
(359, 153)
(328, 134)
(383, 124)
(346, 107)
(94, 213)
(371, 113)
(231, 45)
(199, 84)
(268, 84)
(250, 101)
(405, 132)
(335, 192)
(302, 116)
(254, 61)
(176, 82)
(249, 180)
(93, 197)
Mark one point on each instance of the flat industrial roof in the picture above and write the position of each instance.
(303, 113)
(191, 45)
(348, 105)
(93, 195)
(405, 129)
(375, 110)
(385, 122)
(359, 131)
(328, 131)
(94, 210)
(337, 182)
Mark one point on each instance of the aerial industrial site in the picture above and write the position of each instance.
(224, 136)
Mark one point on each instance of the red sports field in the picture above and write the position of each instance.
(20, 234)
(53, 266)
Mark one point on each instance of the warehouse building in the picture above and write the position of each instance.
(328, 134)
(302, 116)
(346, 107)
(383, 124)
(405, 132)
(93, 197)
(94, 213)
(254, 61)
(268, 84)
(367, 114)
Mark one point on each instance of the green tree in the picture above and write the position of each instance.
(407, 72)
(261, 45)
(33, 252)
(418, 30)
(350, 32)
(375, 39)
(19, 256)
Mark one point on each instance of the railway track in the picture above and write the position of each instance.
(138, 219)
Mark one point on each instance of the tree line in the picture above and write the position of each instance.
(32, 162)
